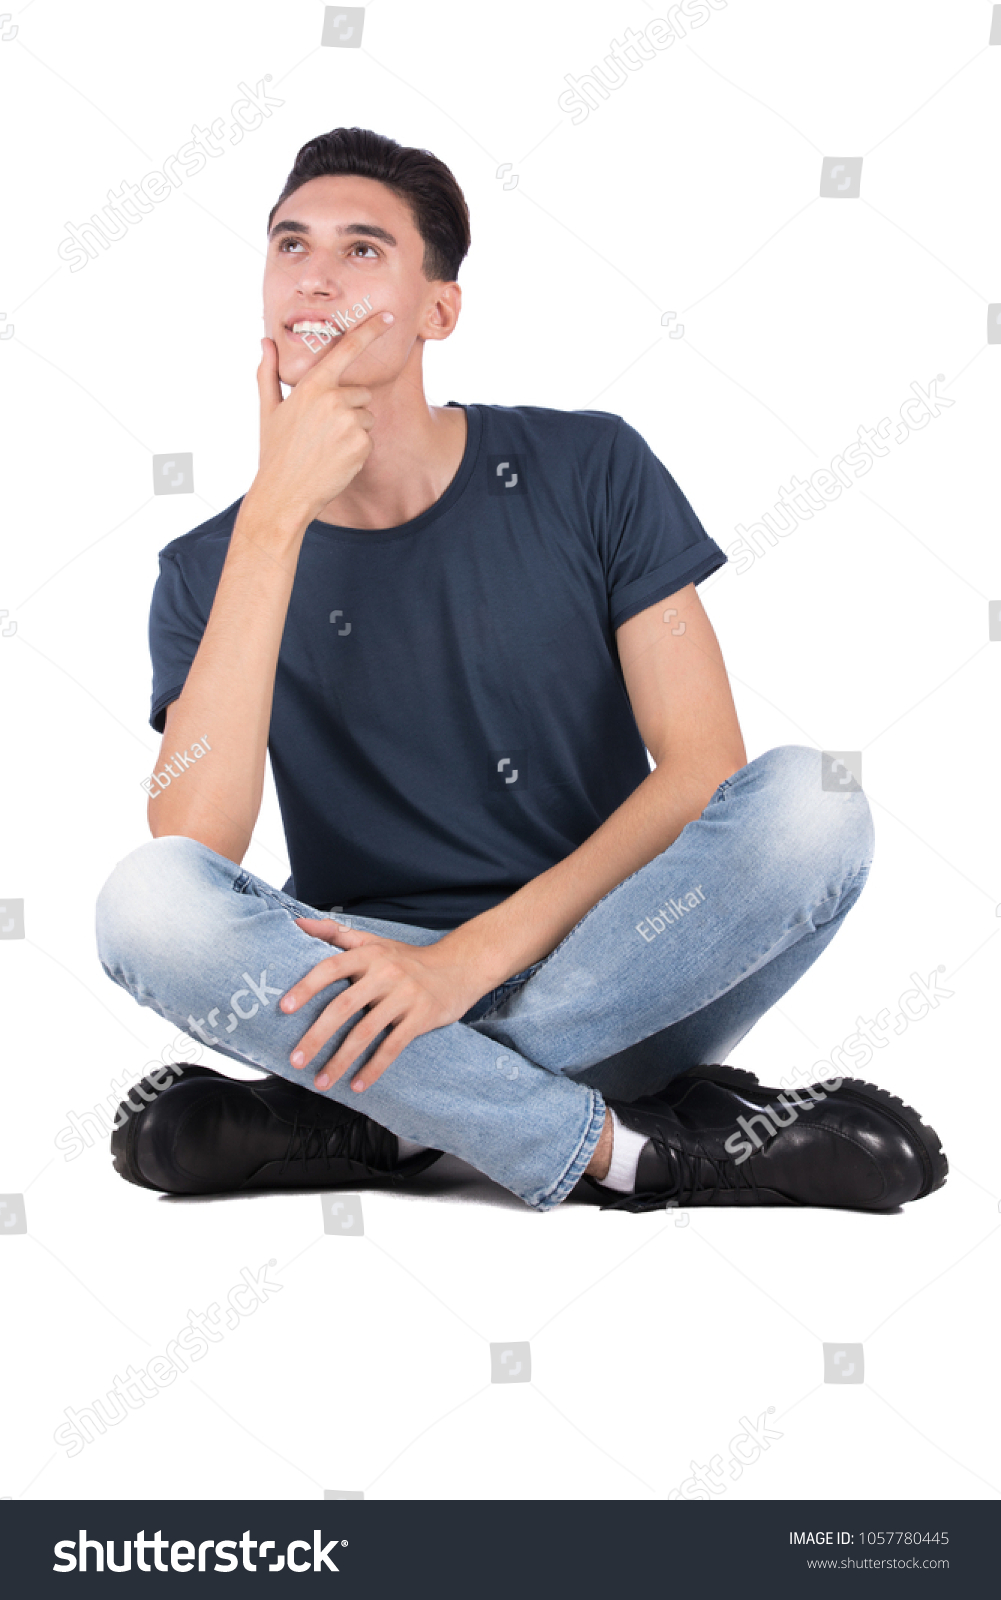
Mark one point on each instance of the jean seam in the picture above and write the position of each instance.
(508, 989)
(276, 897)
(500, 996)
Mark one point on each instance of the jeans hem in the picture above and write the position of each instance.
(572, 1173)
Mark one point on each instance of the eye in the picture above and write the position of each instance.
(285, 246)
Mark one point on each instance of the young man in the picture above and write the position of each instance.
(458, 630)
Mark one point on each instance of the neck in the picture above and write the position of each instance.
(417, 449)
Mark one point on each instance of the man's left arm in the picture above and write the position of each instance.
(680, 696)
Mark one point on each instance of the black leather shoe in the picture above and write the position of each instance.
(718, 1137)
(209, 1134)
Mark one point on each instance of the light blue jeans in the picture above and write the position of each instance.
(668, 971)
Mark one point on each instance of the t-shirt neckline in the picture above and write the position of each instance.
(444, 503)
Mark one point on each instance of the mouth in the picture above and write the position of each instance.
(304, 331)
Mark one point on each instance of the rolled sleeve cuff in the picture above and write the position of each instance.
(691, 566)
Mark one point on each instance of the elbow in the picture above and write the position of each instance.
(225, 841)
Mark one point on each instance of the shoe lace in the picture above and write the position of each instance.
(690, 1172)
(360, 1140)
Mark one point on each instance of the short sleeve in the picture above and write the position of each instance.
(175, 632)
(653, 543)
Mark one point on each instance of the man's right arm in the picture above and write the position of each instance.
(312, 445)
(228, 692)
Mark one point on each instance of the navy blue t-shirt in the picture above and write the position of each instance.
(450, 717)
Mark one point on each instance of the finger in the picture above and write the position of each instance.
(326, 372)
(348, 1006)
(331, 969)
(358, 398)
(327, 928)
(358, 1041)
(268, 385)
(354, 394)
(319, 977)
(331, 923)
(384, 1057)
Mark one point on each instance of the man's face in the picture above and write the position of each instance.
(352, 238)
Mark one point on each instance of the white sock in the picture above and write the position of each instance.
(408, 1148)
(626, 1147)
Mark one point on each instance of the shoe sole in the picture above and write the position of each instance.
(933, 1157)
(123, 1138)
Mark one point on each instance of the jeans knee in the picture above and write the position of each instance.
(147, 899)
(816, 813)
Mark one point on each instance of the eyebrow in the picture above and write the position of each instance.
(370, 229)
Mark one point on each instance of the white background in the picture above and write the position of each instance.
(694, 188)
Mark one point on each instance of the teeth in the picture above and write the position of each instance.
(315, 327)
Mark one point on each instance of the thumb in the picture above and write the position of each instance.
(268, 386)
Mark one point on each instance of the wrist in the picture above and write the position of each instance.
(482, 962)
(273, 514)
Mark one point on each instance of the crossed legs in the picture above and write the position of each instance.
(670, 969)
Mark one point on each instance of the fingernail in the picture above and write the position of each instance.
(387, 316)
(358, 1087)
(288, 1003)
(323, 1082)
(298, 1058)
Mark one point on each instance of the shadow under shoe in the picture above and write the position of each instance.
(856, 1147)
(210, 1134)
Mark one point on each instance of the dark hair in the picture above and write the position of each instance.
(424, 183)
